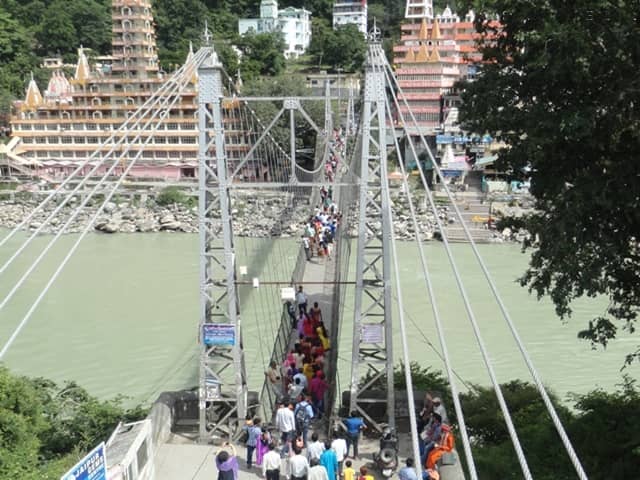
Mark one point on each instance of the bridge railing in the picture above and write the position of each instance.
(347, 203)
(283, 337)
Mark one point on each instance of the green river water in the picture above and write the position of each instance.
(122, 318)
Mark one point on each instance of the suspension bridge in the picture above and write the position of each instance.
(372, 127)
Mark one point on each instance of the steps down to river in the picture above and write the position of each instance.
(474, 211)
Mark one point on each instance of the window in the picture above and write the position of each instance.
(79, 140)
(188, 140)
(66, 139)
(40, 140)
(52, 139)
(142, 456)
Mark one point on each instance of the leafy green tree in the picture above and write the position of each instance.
(559, 86)
(262, 54)
(343, 48)
(16, 60)
(45, 428)
(56, 33)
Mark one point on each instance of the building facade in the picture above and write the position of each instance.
(350, 12)
(56, 132)
(435, 51)
(293, 23)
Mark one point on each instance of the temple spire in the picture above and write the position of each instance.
(435, 31)
(33, 98)
(423, 30)
(82, 68)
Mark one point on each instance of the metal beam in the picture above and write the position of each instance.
(221, 388)
(372, 326)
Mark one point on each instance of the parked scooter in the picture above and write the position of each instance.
(386, 459)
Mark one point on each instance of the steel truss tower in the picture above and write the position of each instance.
(223, 386)
(372, 326)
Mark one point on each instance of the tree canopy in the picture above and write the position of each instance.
(559, 86)
(344, 48)
(46, 427)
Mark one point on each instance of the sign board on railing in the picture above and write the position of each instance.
(92, 467)
(288, 293)
(218, 334)
(372, 333)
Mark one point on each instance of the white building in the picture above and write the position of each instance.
(347, 12)
(419, 9)
(293, 23)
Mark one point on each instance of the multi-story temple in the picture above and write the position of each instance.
(55, 132)
(434, 53)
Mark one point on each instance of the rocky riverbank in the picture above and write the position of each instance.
(252, 217)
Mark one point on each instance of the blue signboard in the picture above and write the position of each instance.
(443, 139)
(218, 334)
(92, 467)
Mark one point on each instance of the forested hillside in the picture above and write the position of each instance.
(33, 29)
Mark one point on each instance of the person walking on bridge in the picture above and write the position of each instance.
(301, 300)
(271, 463)
(354, 425)
(286, 424)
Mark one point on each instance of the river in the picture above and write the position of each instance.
(122, 318)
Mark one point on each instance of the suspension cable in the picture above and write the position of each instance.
(467, 304)
(184, 80)
(575, 460)
(136, 118)
(436, 314)
(105, 176)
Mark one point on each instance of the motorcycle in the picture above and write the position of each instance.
(386, 459)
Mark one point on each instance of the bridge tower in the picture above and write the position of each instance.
(223, 386)
(372, 355)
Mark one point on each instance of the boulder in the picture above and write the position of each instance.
(110, 207)
(171, 226)
(167, 218)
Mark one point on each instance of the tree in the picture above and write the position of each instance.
(343, 48)
(559, 86)
(56, 33)
(45, 427)
(16, 60)
(263, 54)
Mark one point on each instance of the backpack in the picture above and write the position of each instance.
(303, 419)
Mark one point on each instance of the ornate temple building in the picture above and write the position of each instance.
(55, 132)
(434, 53)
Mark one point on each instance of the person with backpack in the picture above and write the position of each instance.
(303, 414)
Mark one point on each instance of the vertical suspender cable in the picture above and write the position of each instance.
(470, 314)
(436, 314)
(536, 377)
(52, 279)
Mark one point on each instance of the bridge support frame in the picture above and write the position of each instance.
(372, 355)
(222, 386)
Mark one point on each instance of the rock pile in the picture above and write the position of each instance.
(253, 216)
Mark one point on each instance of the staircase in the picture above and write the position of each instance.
(474, 210)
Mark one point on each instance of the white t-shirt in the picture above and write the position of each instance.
(339, 445)
(285, 420)
(301, 298)
(298, 466)
(318, 473)
(305, 242)
(315, 449)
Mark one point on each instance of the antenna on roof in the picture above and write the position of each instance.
(206, 36)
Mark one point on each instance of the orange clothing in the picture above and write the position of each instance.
(445, 445)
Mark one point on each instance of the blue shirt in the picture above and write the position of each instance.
(329, 461)
(407, 473)
(254, 433)
(353, 424)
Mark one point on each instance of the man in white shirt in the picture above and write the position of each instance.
(301, 300)
(339, 445)
(317, 471)
(315, 448)
(271, 463)
(298, 465)
(285, 423)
